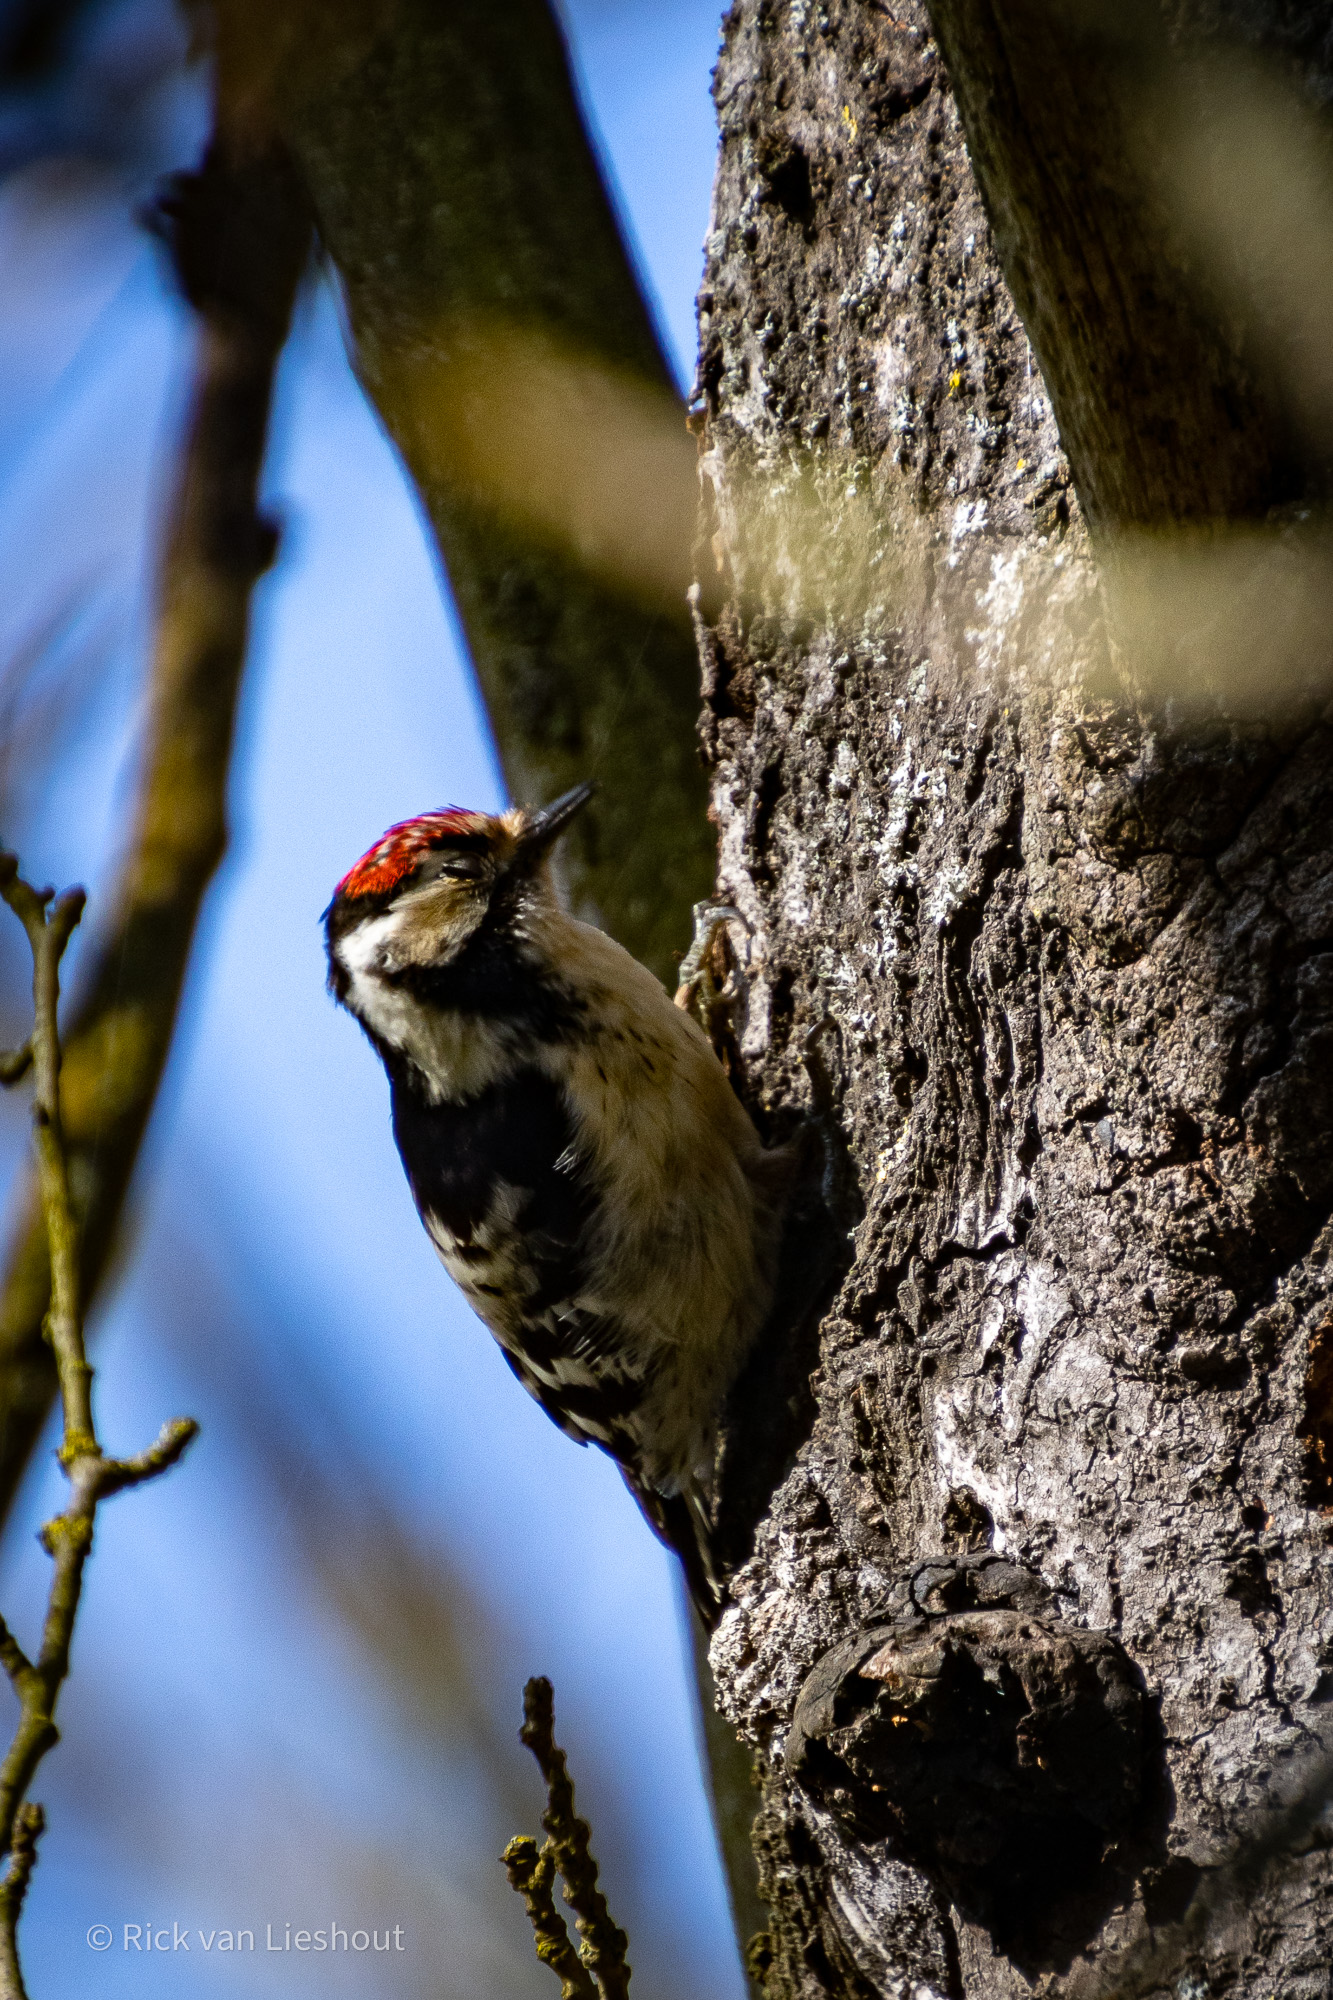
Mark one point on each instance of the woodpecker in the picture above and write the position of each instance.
(585, 1171)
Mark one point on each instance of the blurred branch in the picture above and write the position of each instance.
(498, 326)
(32, 38)
(567, 1849)
(1166, 407)
(92, 1477)
(29, 1826)
(239, 231)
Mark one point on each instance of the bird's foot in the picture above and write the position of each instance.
(712, 979)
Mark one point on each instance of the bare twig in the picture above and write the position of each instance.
(240, 231)
(532, 1872)
(49, 922)
(567, 1849)
(29, 1825)
(15, 1063)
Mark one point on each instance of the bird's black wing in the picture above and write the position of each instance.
(503, 1189)
(511, 1152)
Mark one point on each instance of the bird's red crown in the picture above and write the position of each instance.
(397, 852)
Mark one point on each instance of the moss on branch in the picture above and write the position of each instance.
(599, 1971)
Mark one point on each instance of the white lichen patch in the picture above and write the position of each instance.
(845, 767)
(948, 894)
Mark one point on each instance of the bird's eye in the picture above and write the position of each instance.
(462, 867)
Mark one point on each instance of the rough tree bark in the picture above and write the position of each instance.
(1032, 1613)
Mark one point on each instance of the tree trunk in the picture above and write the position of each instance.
(1020, 760)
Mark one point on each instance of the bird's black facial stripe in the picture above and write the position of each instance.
(492, 980)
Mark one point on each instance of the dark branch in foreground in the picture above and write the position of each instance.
(1168, 346)
(240, 234)
(67, 1539)
(498, 326)
(567, 1849)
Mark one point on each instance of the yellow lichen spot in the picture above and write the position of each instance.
(1021, 465)
(848, 120)
(77, 1445)
(955, 381)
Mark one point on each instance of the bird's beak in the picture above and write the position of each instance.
(545, 827)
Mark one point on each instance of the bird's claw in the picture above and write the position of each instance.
(711, 979)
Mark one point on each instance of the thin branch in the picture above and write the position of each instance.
(29, 1826)
(68, 1539)
(604, 1943)
(48, 935)
(13, 1658)
(168, 1447)
(239, 231)
(532, 1872)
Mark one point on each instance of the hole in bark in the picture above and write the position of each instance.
(711, 363)
(782, 1002)
(1319, 1417)
(786, 173)
(899, 99)
(729, 687)
(966, 1520)
(1005, 1752)
(767, 794)
(1248, 1584)
(1213, 1365)
(1169, 1890)
(910, 1071)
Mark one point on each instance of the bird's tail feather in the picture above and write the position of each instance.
(681, 1520)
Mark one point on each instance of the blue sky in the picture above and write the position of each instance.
(236, 1750)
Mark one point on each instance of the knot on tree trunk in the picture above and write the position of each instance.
(1000, 1748)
